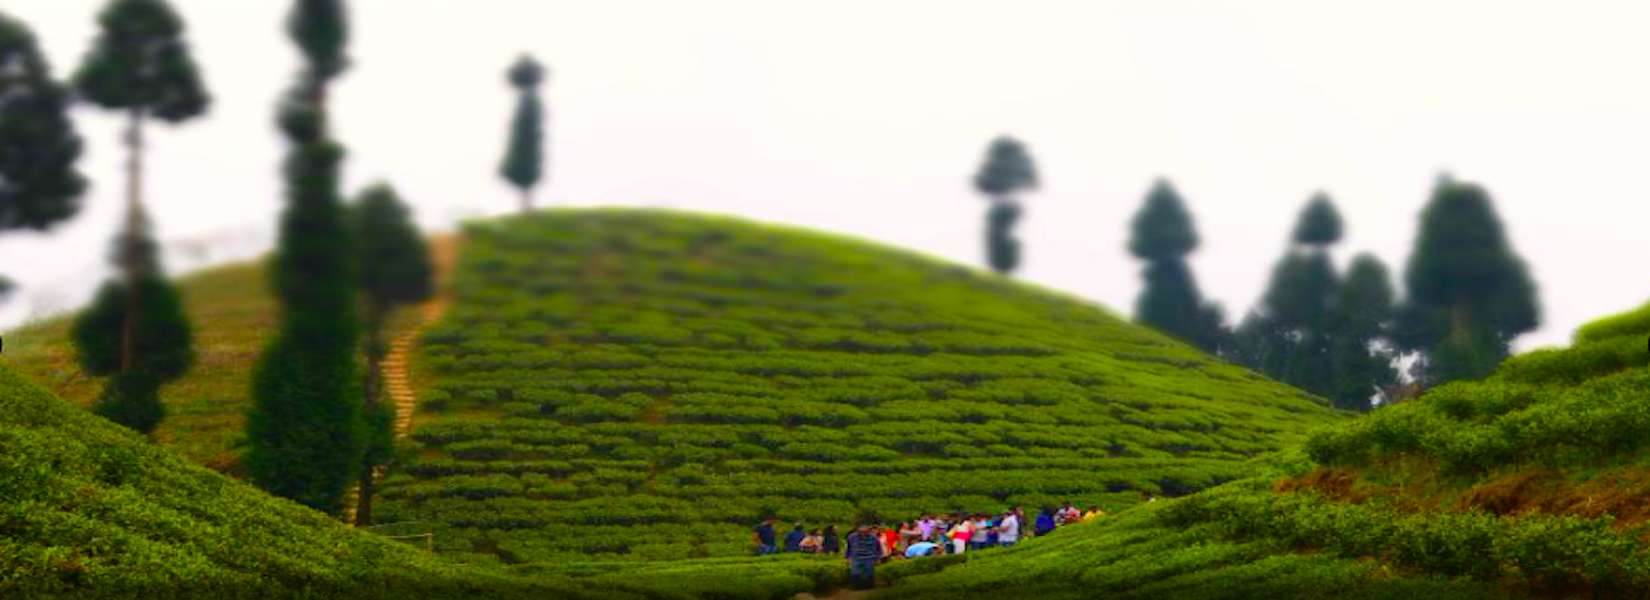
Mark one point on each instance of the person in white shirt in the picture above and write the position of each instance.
(1008, 528)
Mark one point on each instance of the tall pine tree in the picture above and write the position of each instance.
(524, 158)
(1162, 234)
(39, 186)
(393, 265)
(1007, 171)
(1360, 324)
(1287, 336)
(140, 64)
(1469, 294)
(305, 429)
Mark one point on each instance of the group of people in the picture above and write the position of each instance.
(931, 535)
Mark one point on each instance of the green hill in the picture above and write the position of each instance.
(620, 384)
(89, 510)
(1532, 483)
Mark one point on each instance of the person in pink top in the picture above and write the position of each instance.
(960, 534)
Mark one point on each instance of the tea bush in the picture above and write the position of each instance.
(667, 379)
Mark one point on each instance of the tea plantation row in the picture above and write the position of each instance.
(645, 385)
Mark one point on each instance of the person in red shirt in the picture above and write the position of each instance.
(890, 542)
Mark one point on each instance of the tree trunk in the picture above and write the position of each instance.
(372, 388)
(130, 255)
(526, 200)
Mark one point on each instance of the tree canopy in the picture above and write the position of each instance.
(1007, 169)
(523, 164)
(1469, 293)
(39, 185)
(1162, 229)
(140, 61)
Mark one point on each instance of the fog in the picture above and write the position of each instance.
(869, 118)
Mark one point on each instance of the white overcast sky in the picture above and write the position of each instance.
(868, 117)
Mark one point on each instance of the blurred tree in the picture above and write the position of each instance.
(1007, 170)
(39, 185)
(140, 351)
(140, 64)
(305, 429)
(1162, 235)
(524, 159)
(1359, 327)
(394, 268)
(1469, 292)
(1287, 337)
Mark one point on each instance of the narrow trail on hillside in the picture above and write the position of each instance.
(397, 377)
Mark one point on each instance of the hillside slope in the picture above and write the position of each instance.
(619, 384)
(233, 316)
(88, 509)
(1532, 483)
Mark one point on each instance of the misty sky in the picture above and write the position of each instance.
(869, 117)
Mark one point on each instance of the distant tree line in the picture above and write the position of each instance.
(1340, 336)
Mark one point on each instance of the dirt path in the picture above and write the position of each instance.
(397, 378)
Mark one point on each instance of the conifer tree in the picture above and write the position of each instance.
(1359, 328)
(139, 352)
(305, 429)
(524, 158)
(1287, 336)
(1007, 171)
(140, 64)
(1469, 294)
(1162, 234)
(39, 185)
(393, 265)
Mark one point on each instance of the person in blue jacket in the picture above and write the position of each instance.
(793, 540)
(1045, 522)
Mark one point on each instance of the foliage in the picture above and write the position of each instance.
(1162, 234)
(1007, 170)
(1319, 224)
(524, 157)
(639, 385)
(1360, 321)
(1469, 294)
(140, 62)
(306, 427)
(93, 511)
(38, 143)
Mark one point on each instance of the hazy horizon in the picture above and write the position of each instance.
(869, 119)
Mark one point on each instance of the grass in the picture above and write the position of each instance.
(644, 385)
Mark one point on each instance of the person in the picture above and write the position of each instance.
(922, 549)
(960, 534)
(925, 526)
(830, 543)
(890, 542)
(811, 544)
(980, 536)
(1092, 512)
(793, 540)
(909, 534)
(1008, 528)
(864, 550)
(765, 538)
(1045, 522)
